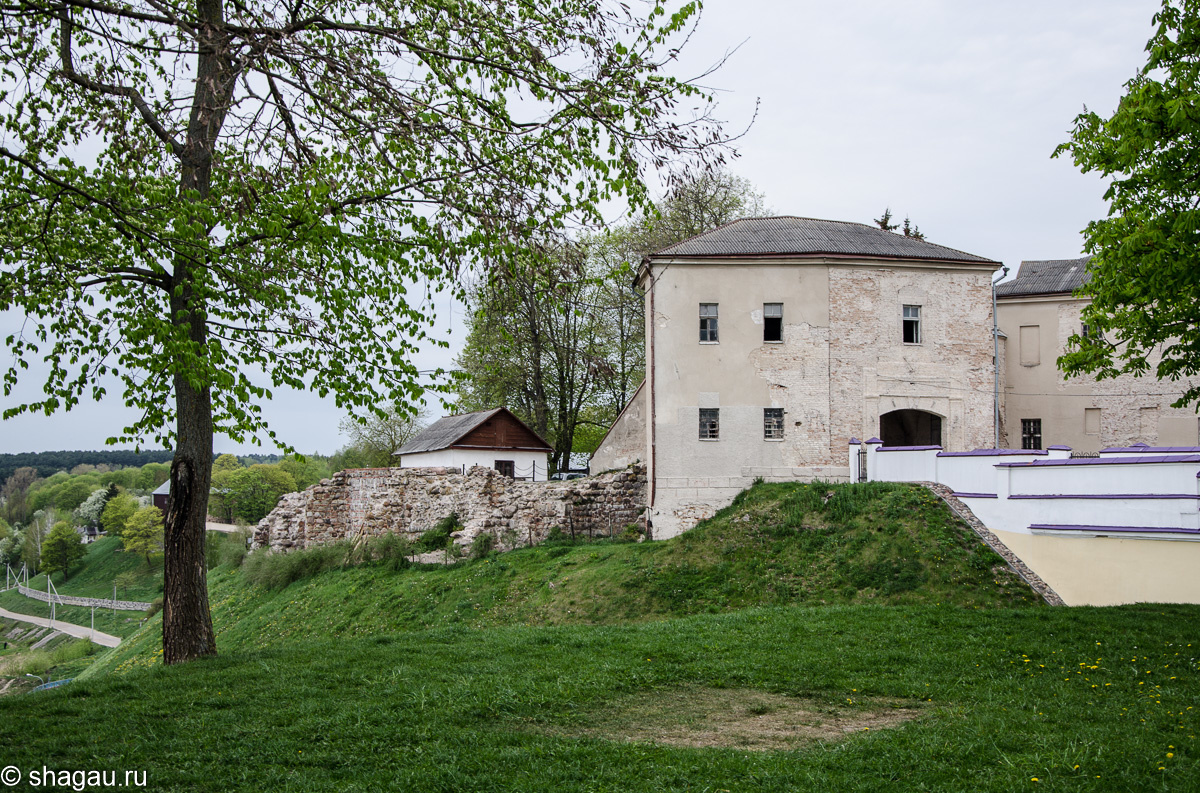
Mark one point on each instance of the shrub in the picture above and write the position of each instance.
(438, 537)
(482, 545)
(155, 607)
(224, 548)
(391, 550)
(277, 570)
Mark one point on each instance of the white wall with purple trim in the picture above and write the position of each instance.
(1092, 527)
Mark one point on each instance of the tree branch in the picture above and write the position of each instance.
(132, 94)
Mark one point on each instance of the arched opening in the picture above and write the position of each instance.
(910, 428)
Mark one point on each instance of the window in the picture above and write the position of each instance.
(1031, 345)
(772, 321)
(708, 322)
(1031, 433)
(507, 468)
(1090, 331)
(912, 324)
(772, 424)
(710, 424)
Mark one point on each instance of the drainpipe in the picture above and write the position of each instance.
(996, 361)
(651, 471)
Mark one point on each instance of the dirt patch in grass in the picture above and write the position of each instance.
(733, 718)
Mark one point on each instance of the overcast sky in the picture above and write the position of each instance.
(946, 112)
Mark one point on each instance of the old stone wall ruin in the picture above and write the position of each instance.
(360, 504)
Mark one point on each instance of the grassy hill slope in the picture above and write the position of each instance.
(777, 544)
(1077, 699)
(93, 576)
(425, 679)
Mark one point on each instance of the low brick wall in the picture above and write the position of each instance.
(70, 600)
(359, 504)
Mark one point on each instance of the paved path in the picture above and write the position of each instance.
(78, 631)
(228, 528)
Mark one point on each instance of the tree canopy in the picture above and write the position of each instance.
(1144, 274)
(558, 334)
(61, 549)
(208, 201)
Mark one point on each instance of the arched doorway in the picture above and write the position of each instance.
(910, 428)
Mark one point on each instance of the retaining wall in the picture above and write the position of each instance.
(359, 504)
(70, 600)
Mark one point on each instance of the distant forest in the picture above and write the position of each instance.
(50, 463)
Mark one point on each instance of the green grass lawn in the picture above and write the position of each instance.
(93, 576)
(810, 637)
(1080, 699)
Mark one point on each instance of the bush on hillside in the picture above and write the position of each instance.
(276, 570)
(438, 538)
(391, 550)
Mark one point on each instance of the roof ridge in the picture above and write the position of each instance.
(803, 235)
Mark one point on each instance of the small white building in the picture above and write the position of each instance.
(491, 438)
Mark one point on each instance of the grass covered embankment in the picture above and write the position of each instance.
(913, 662)
(777, 544)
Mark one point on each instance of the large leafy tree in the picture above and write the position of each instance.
(61, 549)
(558, 333)
(1144, 275)
(195, 192)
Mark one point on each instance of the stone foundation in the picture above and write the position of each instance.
(360, 504)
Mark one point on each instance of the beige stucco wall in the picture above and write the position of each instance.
(842, 364)
(1132, 409)
(1094, 571)
(625, 442)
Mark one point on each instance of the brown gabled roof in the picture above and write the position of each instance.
(449, 430)
(792, 236)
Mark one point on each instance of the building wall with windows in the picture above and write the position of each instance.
(1038, 314)
(728, 403)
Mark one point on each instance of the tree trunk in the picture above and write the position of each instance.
(187, 622)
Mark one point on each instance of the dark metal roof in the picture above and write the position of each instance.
(446, 431)
(791, 236)
(1051, 277)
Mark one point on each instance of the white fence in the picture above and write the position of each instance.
(1132, 497)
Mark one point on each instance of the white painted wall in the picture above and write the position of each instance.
(1102, 564)
(529, 465)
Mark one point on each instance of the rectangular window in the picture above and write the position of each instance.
(710, 424)
(1090, 331)
(772, 321)
(912, 324)
(1031, 433)
(507, 468)
(1031, 345)
(773, 424)
(1091, 421)
(708, 322)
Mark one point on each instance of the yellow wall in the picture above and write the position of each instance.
(1094, 571)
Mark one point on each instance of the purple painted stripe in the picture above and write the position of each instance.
(906, 448)
(1107, 529)
(1059, 448)
(1107, 495)
(974, 495)
(993, 453)
(1188, 458)
(1143, 449)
